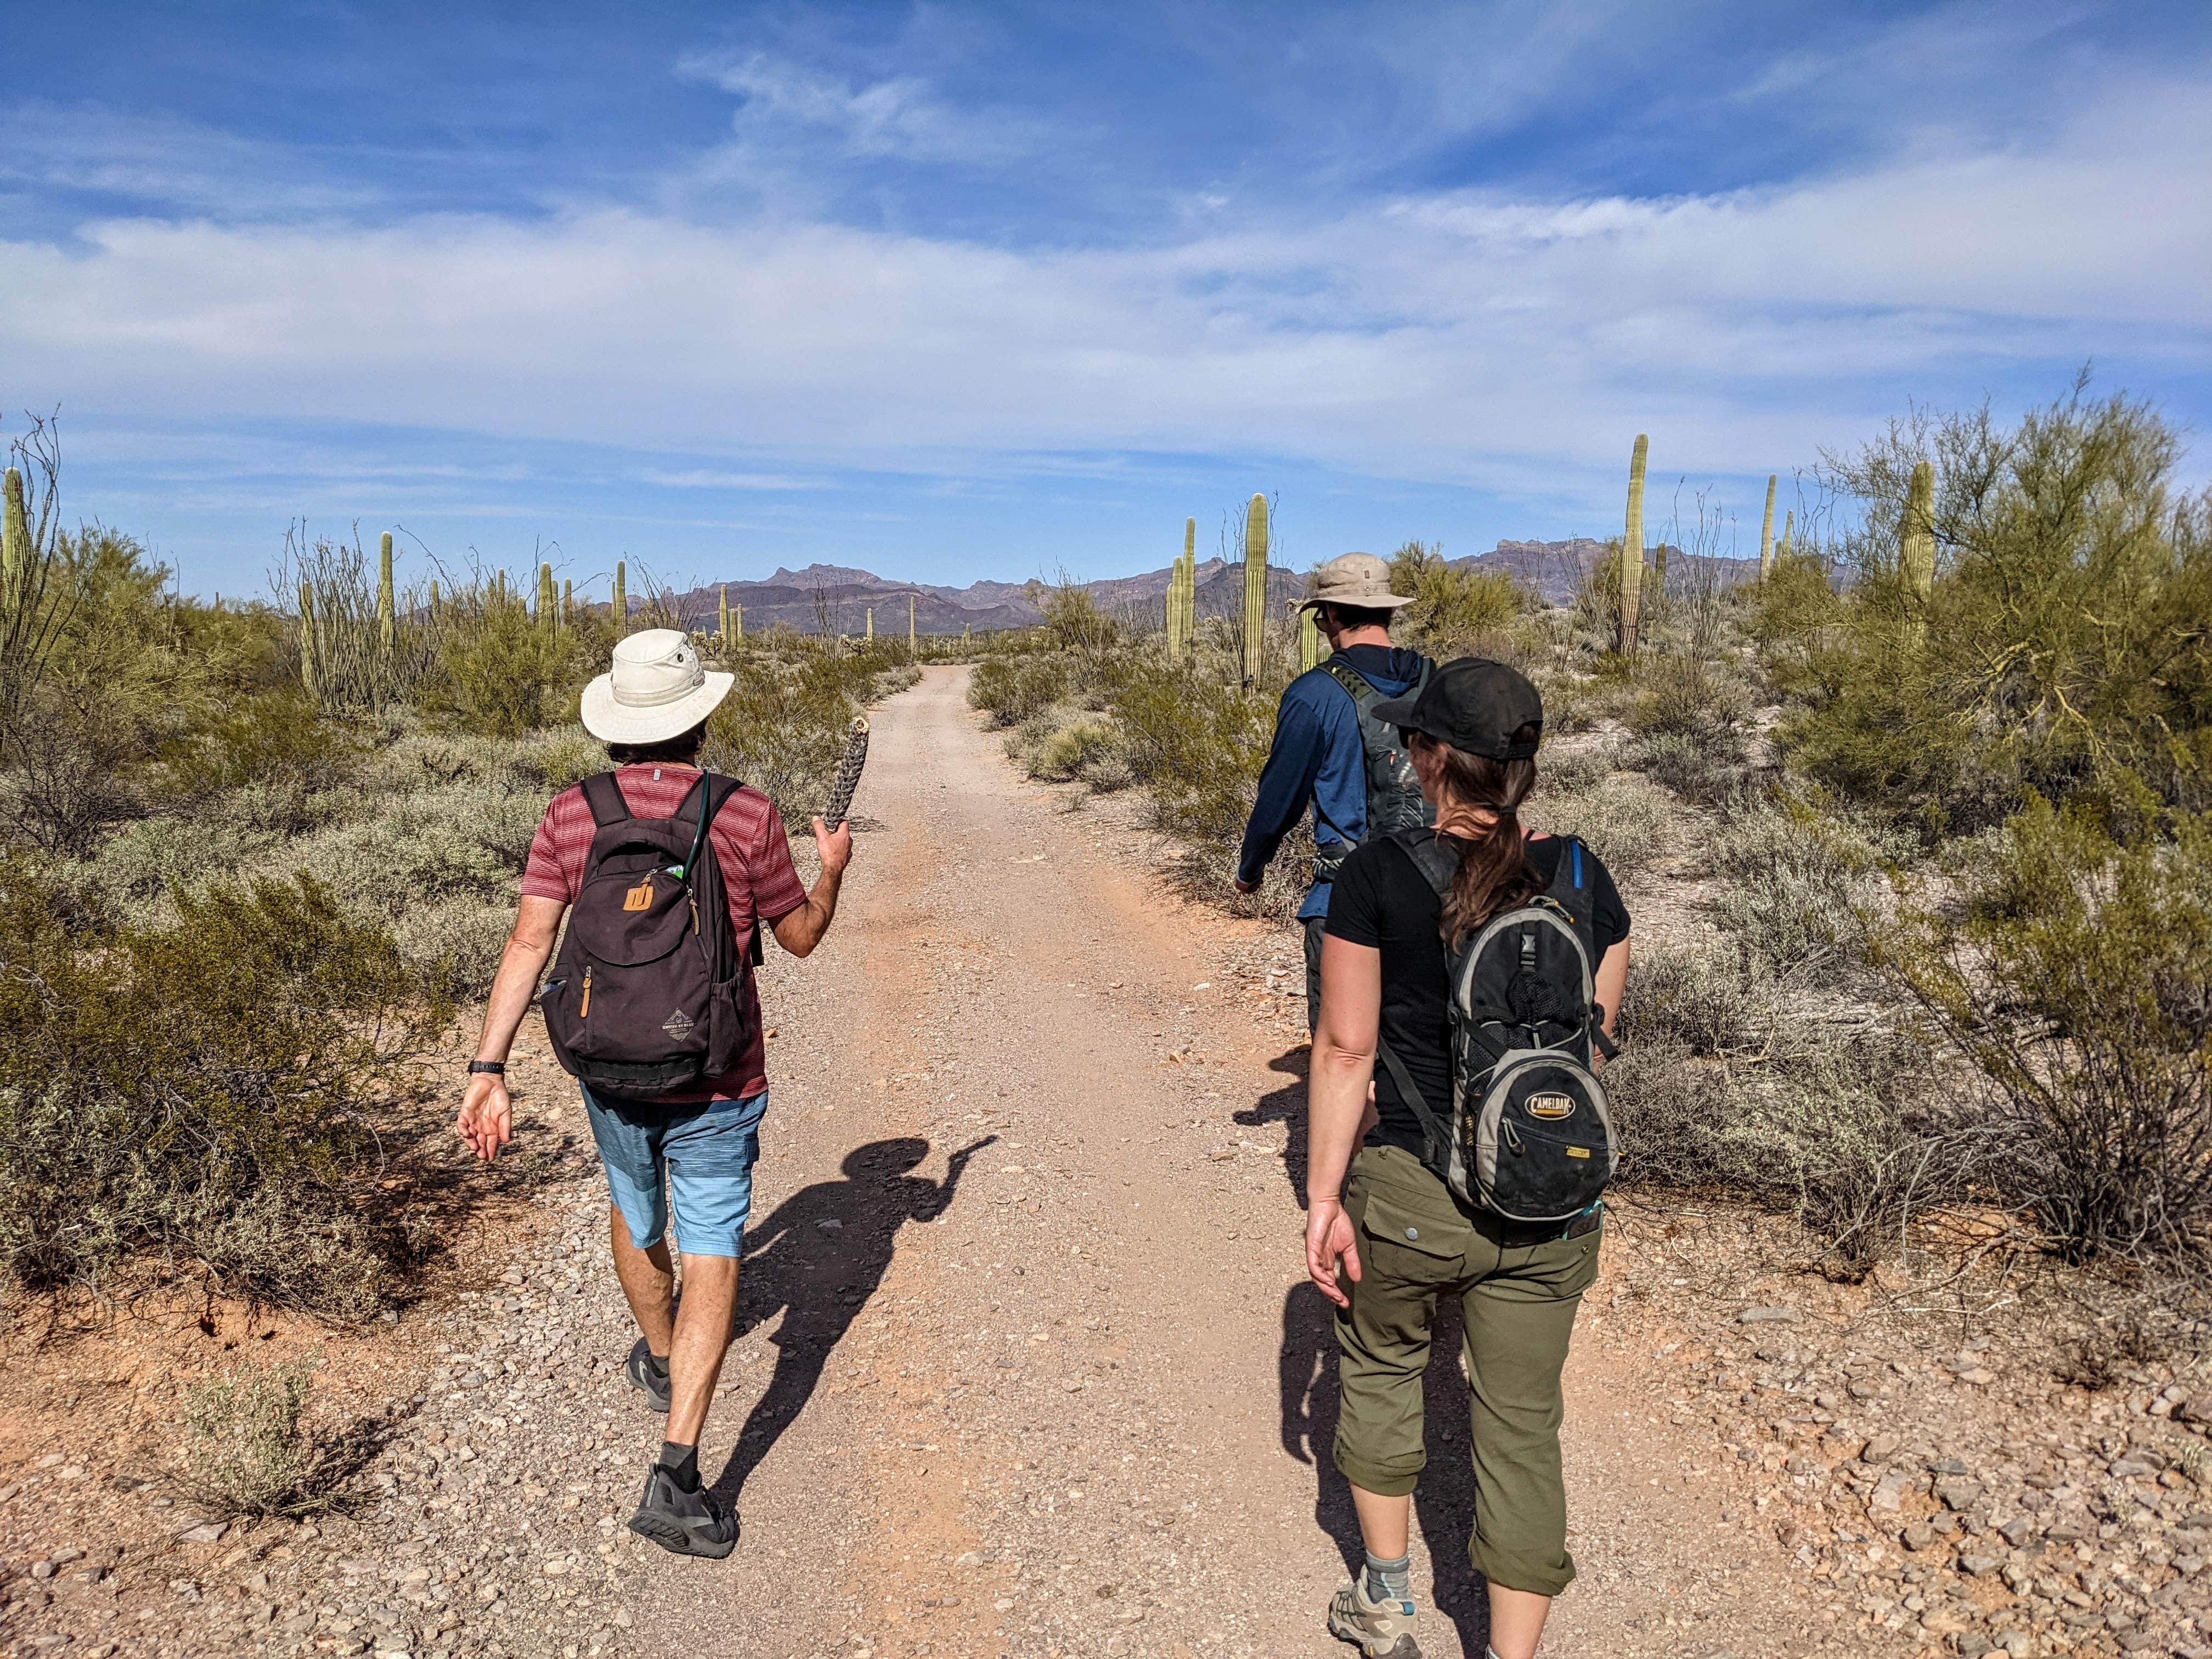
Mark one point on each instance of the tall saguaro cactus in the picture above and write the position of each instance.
(1766, 533)
(909, 627)
(1632, 551)
(15, 536)
(549, 597)
(1789, 529)
(1309, 638)
(1256, 586)
(387, 626)
(437, 610)
(1915, 541)
(309, 677)
(738, 622)
(872, 625)
(722, 598)
(622, 598)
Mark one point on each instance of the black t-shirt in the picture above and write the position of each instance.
(1381, 900)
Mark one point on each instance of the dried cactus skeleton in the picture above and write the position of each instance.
(847, 778)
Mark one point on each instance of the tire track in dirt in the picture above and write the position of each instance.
(1065, 1393)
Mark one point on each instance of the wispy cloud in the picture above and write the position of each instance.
(899, 117)
(703, 478)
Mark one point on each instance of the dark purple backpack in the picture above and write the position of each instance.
(645, 1000)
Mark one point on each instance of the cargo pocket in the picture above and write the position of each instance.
(1404, 1244)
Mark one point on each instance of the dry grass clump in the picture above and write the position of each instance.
(249, 1451)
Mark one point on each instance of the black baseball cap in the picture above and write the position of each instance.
(1472, 704)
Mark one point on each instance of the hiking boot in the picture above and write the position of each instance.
(640, 1372)
(1380, 1630)
(687, 1522)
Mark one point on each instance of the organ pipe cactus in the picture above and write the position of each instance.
(1632, 551)
(1915, 542)
(1256, 586)
(1766, 534)
(14, 535)
(622, 598)
(387, 626)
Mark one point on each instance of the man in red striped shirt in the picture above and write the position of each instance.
(693, 1151)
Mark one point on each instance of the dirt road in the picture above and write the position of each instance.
(1028, 1366)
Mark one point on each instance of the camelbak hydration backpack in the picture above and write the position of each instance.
(1395, 801)
(646, 997)
(1529, 1134)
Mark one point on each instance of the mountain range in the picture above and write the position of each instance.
(837, 598)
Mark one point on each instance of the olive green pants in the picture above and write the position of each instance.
(1519, 1299)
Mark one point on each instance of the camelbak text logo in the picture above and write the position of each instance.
(676, 1024)
(1551, 1107)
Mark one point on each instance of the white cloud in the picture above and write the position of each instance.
(705, 478)
(898, 118)
(1486, 338)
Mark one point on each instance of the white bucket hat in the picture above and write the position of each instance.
(1360, 579)
(657, 689)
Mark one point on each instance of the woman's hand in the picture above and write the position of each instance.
(1329, 1240)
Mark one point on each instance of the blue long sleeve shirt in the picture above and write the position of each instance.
(1317, 760)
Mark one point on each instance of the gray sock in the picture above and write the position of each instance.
(1389, 1581)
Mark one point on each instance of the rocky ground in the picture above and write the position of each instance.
(1026, 1366)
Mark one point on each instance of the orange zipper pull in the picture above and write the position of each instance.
(585, 1011)
(694, 912)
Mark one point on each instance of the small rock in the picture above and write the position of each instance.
(1917, 1537)
(1767, 1316)
(1956, 1492)
(42, 1570)
(206, 1532)
(1979, 1561)
(2018, 1531)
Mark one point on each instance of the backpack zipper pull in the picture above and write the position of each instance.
(694, 912)
(585, 1011)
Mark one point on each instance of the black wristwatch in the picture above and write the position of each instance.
(488, 1067)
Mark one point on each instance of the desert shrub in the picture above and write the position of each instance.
(1713, 770)
(248, 1449)
(1706, 999)
(1833, 1133)
(1623, 820)
(2060, 648)
(200, 1092)
(1794, 885)
(2077, 983)
(269, 737)
(1456, 612)
(1198, 744)
(1014, 688)
(1687, 696)
(783, 727)
(501, 671)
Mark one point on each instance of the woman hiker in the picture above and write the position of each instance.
(680, 1165)
(1385, 1236)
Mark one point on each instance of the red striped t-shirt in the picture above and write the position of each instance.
(747, 837)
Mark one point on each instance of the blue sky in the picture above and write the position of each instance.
(958, 291)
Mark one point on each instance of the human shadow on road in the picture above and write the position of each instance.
(1287, 1106)
(819, 1276)
(1443, 1503)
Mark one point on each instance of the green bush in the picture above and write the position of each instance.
(2077, 983)
(248, 1449)
(200, 1094)
(1455, 612)
(500, 672)
(1012, 688)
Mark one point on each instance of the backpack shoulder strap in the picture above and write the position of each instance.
(1570, 887)
(605, 797)
(1356, 684)
(1437, 862)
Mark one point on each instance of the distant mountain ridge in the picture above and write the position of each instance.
(836, 599)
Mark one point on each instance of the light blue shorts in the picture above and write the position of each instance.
(700, 1159)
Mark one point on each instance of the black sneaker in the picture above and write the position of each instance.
(640, 1372)
(687, 1522)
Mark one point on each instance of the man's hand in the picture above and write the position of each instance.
(836, 846)
(487, 1119)
(1329, 1240)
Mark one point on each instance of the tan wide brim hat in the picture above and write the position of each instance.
(1353, 578)
(658, 688)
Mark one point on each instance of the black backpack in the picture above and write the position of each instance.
(646, 998)
(1394, 801)
(1529, 1135)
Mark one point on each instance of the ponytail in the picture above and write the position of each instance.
(1494, 871)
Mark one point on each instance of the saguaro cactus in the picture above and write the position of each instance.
(15, 536)
(872, 625)
(568, 601)
(437, 611)
(548, 598)
(1308, 639)
(909, 626)
(1256, 586)
(387, 626)
(722, 598)
(1915, 541)
(1766, 534)
(1632, 551)
(622, 598)
(308, 677)
(737, 622)
(1788, 526)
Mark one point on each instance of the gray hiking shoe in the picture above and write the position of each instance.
(654, 1388)
(1380, 1630)
(687, 1522)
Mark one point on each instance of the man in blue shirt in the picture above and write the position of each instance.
(1352, 771)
